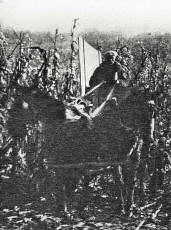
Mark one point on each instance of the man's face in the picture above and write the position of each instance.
(112, 59)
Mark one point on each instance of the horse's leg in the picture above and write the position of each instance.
(16, 146)
(121, 187)
(147, 133)
(132, 183)
(63, 200)
(86, 196)
(85, 181)
(158, 173)
(152, 128)
(70, 198)
(143, 177)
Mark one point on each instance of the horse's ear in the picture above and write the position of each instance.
(151, 102)
(34, 91)
(25, 105)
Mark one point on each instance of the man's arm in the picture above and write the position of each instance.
(121, 70)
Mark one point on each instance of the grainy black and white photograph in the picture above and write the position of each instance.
(85, 115)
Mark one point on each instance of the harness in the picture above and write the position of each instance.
(79, 106)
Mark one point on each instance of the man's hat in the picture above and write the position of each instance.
(110, 53)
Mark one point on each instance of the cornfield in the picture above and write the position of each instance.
(49, 176)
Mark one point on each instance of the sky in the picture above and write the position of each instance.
(128, 16)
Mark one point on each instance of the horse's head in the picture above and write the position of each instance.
(31, 107)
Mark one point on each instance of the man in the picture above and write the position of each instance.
(111, 72)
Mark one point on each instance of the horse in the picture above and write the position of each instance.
(67, 147)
